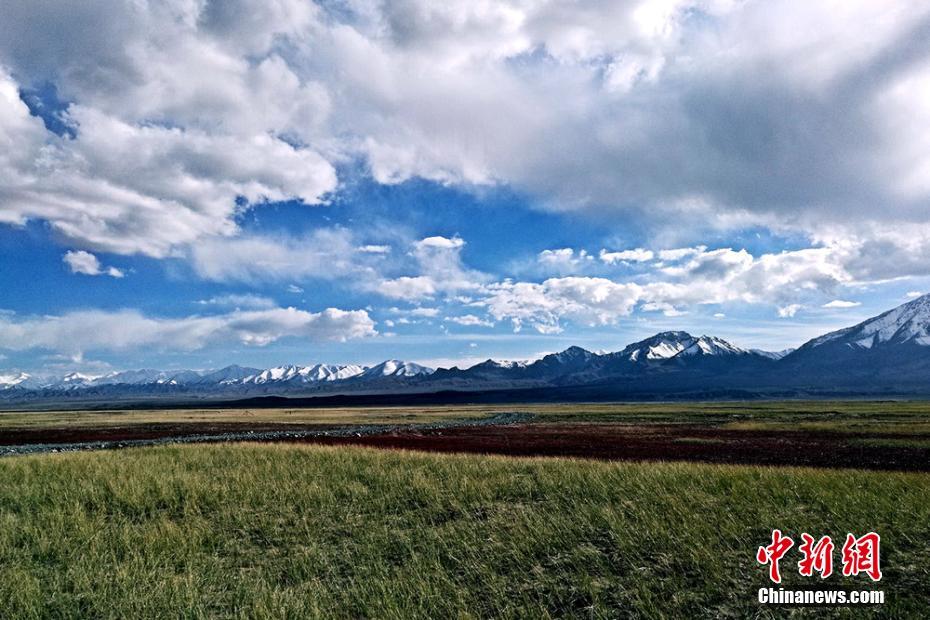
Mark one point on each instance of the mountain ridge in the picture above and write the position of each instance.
(886, 352)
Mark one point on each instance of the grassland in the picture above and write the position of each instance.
(253, 530)
(853, 417)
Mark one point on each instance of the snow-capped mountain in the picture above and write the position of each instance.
(303, 374)
(891, 350)
(889, 353)
(906, 324)
(144, 376)
(229, 381)
(662, 346)
(668, 345)
(395, 368)
(227, 375)
(12, 380)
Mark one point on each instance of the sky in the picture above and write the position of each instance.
(194, 183)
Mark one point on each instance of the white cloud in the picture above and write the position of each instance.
(680, 253)
(638, 255)
(142, 188)
(719, 315)
(666, 309)
(86, 263)
(439, 242)
(699, 276)
(375, 249)
(293, 288)
(325, 254)
(674, 114)
(408, 288)
(97, 330)
(441, 271)
(840, 303)
(914, 294)
(248, 301)
(420, 312)
(469, 320)
(588, 301)
(789, 311)
(564, 260)
(82, 262)
(424, 312)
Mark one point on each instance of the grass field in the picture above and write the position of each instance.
(253, 530)
(854, 417)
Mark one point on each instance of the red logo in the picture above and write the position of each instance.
(860, 555)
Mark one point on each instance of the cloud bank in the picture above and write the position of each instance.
(94, 330)
(727, 113)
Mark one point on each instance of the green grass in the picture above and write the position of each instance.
(289, 531)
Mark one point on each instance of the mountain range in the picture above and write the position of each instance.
(887, 354)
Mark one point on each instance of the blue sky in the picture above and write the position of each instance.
(266, 183)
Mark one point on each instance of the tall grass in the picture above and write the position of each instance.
(287, 531)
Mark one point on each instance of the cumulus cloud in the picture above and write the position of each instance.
(408, 288)
(666, 309)
(439, 242)
(699, 276)
(689, 110)
(564, 260)
(86, 263)
(690, 114)
(589, 301)
(97, 330)
(440, 271)
(142, 188)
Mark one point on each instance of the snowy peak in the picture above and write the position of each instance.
(772, 355)
(12, 380)
(678, 344)
(278, 373)
(908, 323)
(304, 374)
(227, 375)
(506, 364)
(396, 368)
(332, 372)
(663, 345)
(134, 377)
(711, 345)
(572, 358)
